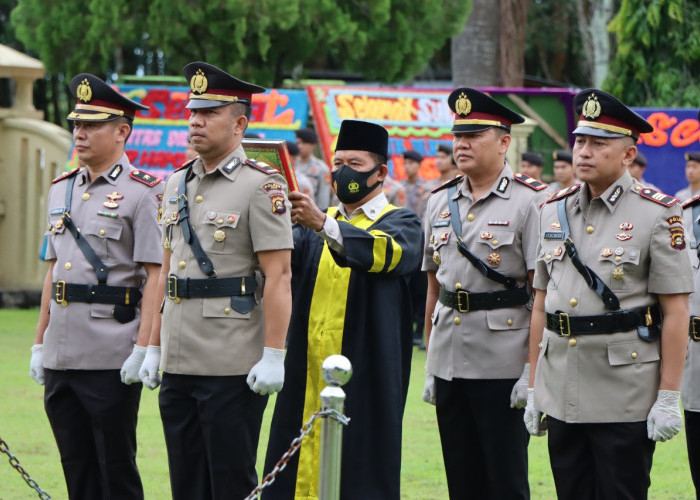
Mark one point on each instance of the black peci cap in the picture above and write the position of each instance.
(212, 87)
(476, 111)
(292, 147)
(445, 148)
(533, 158)
(692, 156)
(640, 160)
(563, 155)
(307, 135)
(363, 136)
(99, 102)
(602, 115)
(413, 155)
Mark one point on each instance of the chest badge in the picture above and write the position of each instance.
(555, 225)
(626, 226)
(623, 236)
(607, 252)
(219, 235)
(493, 259)
(112, 199)
(444, 214)
(618, 273)
(558, 251)
(436, 257)
(485, 235)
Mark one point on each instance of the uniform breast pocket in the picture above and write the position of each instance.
(492, 244)
(552, 255)
(102, 234)
(218, 229)
(620, 263)
(438, 239)
(58, 230)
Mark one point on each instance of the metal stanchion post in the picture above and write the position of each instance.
(337, 370)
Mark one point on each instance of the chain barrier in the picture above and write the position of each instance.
(27, 478)
(294, 447)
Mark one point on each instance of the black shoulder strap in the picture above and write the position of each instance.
(484, 269)
(100, 268)
(188, 233)
(608, 297)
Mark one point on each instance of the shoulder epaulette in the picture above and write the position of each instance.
(563, 193)
(691, 202)
(144, 178)
(657, 196)
(66, 175)
(530, 181)
(186, 164)
(449, 183)
(261, 166)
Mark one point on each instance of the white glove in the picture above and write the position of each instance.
(36, 364)
(533, 418)
(518, 396)
(664, 420)
(429, 389)
(267, 376)
(130, 369)
(148, 373)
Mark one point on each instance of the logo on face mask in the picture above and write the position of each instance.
(350, 185)
(353, 187)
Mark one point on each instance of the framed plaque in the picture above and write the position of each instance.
(273, 152)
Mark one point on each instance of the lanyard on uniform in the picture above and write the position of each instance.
(609, 299)
(203, 260)
(100, 269)
(696, 227)
(476, 262)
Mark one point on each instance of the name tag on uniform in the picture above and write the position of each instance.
(57, 211)
(553, 235)
(441, 223)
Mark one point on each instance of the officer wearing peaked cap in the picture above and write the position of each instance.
(609, 323)
(692, 175)
(225, 225)
(98, 300)
(564, 172)
(479, 253)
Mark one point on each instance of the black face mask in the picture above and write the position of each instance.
(350, 186)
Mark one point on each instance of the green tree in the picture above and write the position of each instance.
(658, 53)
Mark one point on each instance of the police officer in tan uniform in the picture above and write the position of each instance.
(98, 299)
(226, 228)
(312, 167)
(479, 253)
(612, 262)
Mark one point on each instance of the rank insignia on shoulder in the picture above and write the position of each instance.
(449, 183)
(144, 178)
(563, 193)
(529, 182)
(261, 166)
(186, 164)
(503, 185)
(65, 175)
(658, 197)
(230, 166)
(116, 172)
(691, 202)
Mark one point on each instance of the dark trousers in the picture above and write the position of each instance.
(212, 427)
(600, 461)
(484, 440)
(418, 282)
(692, 438)
(93, 418)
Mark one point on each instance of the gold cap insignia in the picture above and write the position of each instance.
(463, 105)
(199, 82)
(84, 92)
(591, 108)
(354, 187)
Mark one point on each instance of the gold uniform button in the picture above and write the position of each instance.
(86, 196)
(458, 285)
(471, 217)
(182, 264)
(227, 310)
(548, 257)
(590, 229)
(618, 258)
(68, 266)
(573, 342)
(509, 321)
(573, 302)
(634, 355)
(177, 300)
(102, 232)
(457, 320)
(199, 198)
(220, 221)
(494, 242)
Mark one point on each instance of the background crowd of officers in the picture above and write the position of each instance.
(560, 309)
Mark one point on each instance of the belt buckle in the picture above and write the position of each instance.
(694, 333)
(460, 294)
(564, 328)
(172, 287)
(61, 293)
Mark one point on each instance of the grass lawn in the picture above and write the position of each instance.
(23, 425)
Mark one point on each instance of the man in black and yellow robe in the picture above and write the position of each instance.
(351, 296)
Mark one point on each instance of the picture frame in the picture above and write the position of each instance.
(274, 153)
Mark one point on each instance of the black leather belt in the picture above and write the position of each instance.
(63, 293)
(188, 288)
(465, 301)
(612, 322)
(694, 328)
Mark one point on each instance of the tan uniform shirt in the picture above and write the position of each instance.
(118, 217)
(481, 344)
(628, 242)
(320, 176)
(690, 386)
(205, 336)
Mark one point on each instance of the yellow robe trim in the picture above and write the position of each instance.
(325, 337)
